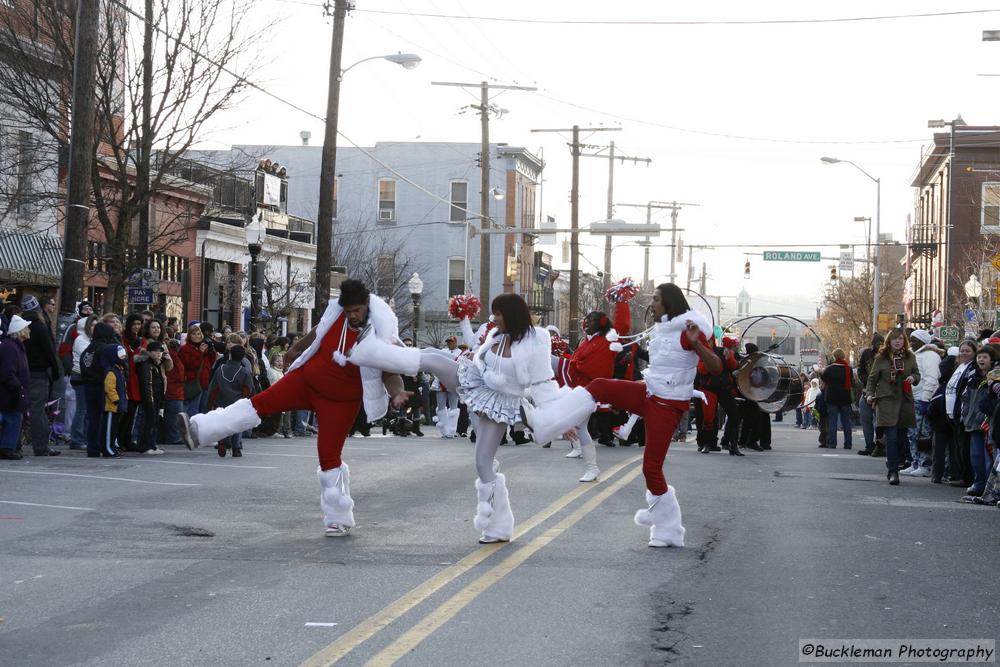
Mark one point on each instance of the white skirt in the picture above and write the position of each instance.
(481, 399)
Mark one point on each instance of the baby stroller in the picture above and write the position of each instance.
(57, 430)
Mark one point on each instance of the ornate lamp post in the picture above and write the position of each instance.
(255, 242)
(416, 287)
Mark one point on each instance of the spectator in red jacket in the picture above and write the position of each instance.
(174, 401)
(198, 357)
(595, 359)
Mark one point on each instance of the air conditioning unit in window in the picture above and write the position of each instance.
(386, 214)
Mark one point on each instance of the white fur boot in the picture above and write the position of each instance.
(442, 418)
(663, 516)
(335, 499)
(589, 452)
(373, 352)
(453, 415)
(625, 430)
(211, 427)
(550, 420)
(574, 452)
(493, 515)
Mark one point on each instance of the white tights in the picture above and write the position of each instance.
(588, 451)
(488, 436)
(441, 365)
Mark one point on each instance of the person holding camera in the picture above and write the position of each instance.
(890, 392)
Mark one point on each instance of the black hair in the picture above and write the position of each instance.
(207, 329)
(103, 333)
(353, 293)
(237, 353)
(984, 334)
(672, 299)
(515, 313)
(602, 320)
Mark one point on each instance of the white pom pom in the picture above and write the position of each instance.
(642, 518)
(339, 358)
(616, 347)
(612, 336)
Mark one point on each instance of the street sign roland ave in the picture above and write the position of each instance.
(790, 256)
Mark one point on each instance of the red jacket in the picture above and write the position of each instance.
(192, 358)
(133, 377)
(593, 359)
(175, 377)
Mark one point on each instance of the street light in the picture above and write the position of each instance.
(938, 123)
(328, 166)
(878, 228)
(255, 233)
(405, 60)
(416, 287)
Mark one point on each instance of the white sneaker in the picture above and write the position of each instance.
(153, 452)
(336, 530)
(574, 453)
(909, 471)
(590, 475)
(922, 471)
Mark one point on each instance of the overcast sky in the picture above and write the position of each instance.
(734, 117)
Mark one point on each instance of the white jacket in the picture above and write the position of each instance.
(80, 343)
(672, 369)
(928, 363)
(532, 366)
(383, 320)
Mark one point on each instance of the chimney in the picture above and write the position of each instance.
(305, 135)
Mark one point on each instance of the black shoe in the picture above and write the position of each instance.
(701, 449)
(50, 452)
(417, 432)
(766, 448)
(473, 437)
(608, 443)
(237, 453)
(935, 480)
(714, 448)
(754, 446)
(864, 452)
(545, 446)
(735, 451)
(824, 447)
(893, 477)
(116, 455)
(10, 455)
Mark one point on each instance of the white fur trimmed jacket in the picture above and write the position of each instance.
(672, 369)
(383, 320)
(532, 367)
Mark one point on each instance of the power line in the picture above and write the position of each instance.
(651, 22)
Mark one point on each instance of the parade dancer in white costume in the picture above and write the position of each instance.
(321, 380)
(680, 338)
(447, 395)
(512, 363)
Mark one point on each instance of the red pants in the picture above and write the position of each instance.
(660, 416)
(335, 413)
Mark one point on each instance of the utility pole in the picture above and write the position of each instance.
(704, 276)
(673, 207)
(574, 239)
(484, 109)
(610, 157)
(146, 140)
(690, 267)
(81, 159)
(328, 166)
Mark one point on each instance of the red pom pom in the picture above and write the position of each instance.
(559, 346)
(464, 305)
(622, 291)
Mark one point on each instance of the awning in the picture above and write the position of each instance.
(30, 259)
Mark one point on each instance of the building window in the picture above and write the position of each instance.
(459, 201)
(456, 276)
(386, 200)
(990, 220)
(25, 174)
(385, 276)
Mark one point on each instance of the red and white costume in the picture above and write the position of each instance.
(323, 381)
(662, 400)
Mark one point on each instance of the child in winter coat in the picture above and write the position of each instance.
(231, 382)
(152, 391)
(113, 362)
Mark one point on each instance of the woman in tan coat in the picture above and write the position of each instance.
(890, 392)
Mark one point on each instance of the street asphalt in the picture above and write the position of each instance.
(189, 559)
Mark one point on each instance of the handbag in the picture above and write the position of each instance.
(193, 387)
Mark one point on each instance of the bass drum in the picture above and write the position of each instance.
(770, 382)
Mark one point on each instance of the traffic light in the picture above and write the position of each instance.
(833, 274)
(746, 269)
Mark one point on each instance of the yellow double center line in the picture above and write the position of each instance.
(380, 620)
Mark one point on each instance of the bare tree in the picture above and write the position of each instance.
(176, 66)
(845, 320)
(975, 259)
